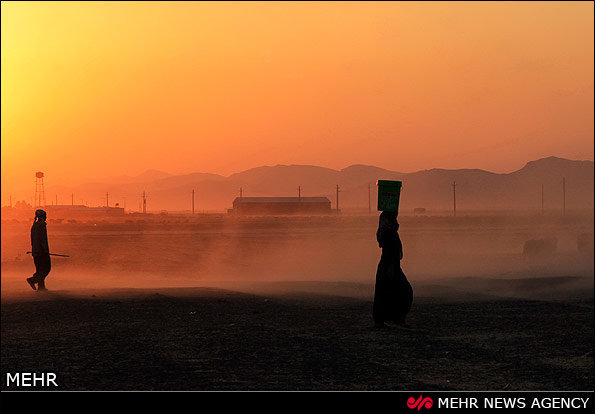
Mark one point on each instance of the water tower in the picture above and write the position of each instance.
(39, 191)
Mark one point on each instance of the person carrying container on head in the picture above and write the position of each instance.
(393, 294)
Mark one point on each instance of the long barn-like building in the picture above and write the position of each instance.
(281, 205)
(79, 211)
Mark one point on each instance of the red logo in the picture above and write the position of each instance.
(420, 403)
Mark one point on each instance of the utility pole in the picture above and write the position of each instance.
(240, 192)
(338, 198)
(454, 197)
(107, 199)
(369, 201)
(564, 196)
(144, 203)
(299, 193)
(542, 203)
(192, 201)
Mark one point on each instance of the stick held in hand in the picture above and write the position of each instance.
(54, 254)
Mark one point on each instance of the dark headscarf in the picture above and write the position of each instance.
(40, 215)
(387, 222)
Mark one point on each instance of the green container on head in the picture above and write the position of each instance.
(389, 193)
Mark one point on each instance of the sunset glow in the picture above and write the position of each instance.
(103, 89)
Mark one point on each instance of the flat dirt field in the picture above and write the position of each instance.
(267, 304)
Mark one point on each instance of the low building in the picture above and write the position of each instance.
(79, 211)
(281, 205)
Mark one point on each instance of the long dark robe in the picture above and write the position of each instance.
(393, 294)
(41, 252)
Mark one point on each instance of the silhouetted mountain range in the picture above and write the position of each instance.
(476, 189)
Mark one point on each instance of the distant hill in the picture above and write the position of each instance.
(432, 189)
(148, 175)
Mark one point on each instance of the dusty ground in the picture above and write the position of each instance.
(284, 303)
(210, 339)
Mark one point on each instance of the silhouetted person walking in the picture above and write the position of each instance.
(393, 294)
(40, 251)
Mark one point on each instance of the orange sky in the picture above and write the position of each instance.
(104, 89)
